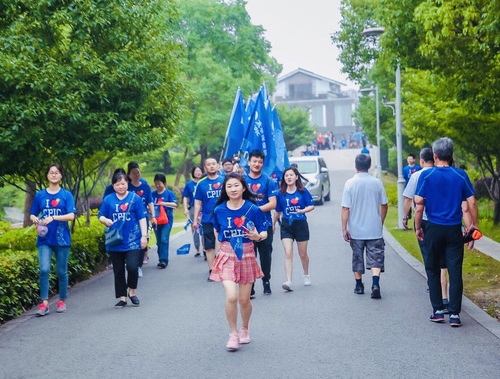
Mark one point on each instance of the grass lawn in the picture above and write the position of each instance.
(481, 273)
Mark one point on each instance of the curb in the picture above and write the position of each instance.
(468, 306)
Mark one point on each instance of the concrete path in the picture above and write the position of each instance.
(322, 331)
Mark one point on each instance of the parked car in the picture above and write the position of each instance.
(314, 169)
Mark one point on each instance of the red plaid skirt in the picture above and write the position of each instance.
(227, 266)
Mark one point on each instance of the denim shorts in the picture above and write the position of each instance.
(374, 254)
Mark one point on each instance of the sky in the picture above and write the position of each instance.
(299, 32)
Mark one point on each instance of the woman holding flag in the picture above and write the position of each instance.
(238, 222)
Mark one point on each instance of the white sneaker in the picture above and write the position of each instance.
(139, 271)
(307, 280)
(287, 286)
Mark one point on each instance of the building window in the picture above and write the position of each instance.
(300, 91)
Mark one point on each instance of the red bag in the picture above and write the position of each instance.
(161, 214)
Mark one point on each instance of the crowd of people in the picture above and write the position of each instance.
(234, 215)
(328, 141)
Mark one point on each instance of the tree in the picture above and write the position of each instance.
(223, 51)
(81, 79)
(457, 56)
(297, 130)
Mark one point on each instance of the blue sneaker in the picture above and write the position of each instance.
(437, 316)
(455, 321)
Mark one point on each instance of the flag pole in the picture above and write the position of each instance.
(230, 121)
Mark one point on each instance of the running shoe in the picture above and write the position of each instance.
(42, 310)
(455, 321)
(287, 286)
(438, 316)
(232, 342)
(61, 306)
(244, 335)
(307, 280)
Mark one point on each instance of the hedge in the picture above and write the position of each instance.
(19, 288)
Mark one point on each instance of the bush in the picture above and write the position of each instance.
(19, 289)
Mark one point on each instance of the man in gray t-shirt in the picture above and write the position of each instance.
(364, 207)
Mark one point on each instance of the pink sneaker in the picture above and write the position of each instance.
(232, 342)
(61, 306)
(244, 335)
(42, 310)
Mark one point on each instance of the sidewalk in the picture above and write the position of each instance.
(489, 247)
(468, 306)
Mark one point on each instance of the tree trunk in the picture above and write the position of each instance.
(167, 163)
(28, 200)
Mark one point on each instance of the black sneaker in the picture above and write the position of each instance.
(267, 288)
(161, 265)
(359, 289)
(375, 292)
(197, 255)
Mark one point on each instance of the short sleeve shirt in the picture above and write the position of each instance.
(166, 196)
(291, 202)
(189, 192)
(208, 192)
(263, 188)
(229, 223)
(444, 189)
(363, 195)
(126, 212)
(411, 187)
(49, 205)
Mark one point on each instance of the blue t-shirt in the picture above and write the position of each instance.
(444, 189)
(189, 192)
(229, 223)
(47, 205)
(407, 171)
(290, 202)
(133, 209)
(263, 188)
(166, 197)
(208, 192)
(109, 188)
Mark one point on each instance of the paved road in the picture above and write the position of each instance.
(322, 331)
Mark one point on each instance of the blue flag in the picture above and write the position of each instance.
(236, 128)
(282, 161)
(184, 249)
(237, 245)
(259, 134)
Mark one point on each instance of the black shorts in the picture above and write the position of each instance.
(208, 236)
(298, 231)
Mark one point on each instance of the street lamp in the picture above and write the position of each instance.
(373, 32)
(378, 165)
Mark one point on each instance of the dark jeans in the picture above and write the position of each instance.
(444, 241)
(120, 260)
(265, 250)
